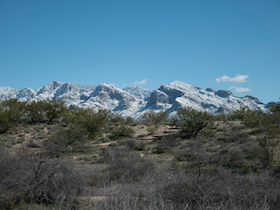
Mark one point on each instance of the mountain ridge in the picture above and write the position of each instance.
(134, 100)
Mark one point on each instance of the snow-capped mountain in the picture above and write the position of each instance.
(181, 94)
(133, 100)
(138, 92)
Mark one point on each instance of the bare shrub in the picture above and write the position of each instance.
(187, 155)
(33, 145)
(108, 155)
(166, 143)
(52, 149)
(37, 179)
(130, 143)
(126, 165)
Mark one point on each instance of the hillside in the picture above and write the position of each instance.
(101, 160)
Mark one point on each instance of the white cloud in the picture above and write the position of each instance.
(240, 89)
(142, 82)
(238, 78)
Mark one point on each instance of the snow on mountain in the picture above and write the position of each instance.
(137, 92)
(7, 92)
(109, 97)
(132, 101)
(158, 100)
(26, 94)
(67, 92)
(222, 101)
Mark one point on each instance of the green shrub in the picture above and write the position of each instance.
(9, 141)
(155, 118)
(5, 121)
(152, 129)
(129, 121)
(92, 121)
(20, 140)
(72, 137)
(207, 132)
(116, 118)
(122, 131)
(35, 112)
(37, 127)
(55, 109)
(45, 111)
(267, 152)
(42, 136)
(105, 139)
(192, 121)
(11, 112)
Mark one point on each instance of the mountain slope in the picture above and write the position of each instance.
(134, 100)
(185, 95)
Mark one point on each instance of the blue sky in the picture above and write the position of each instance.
(224, 44)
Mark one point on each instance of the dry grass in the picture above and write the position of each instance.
(208, 172)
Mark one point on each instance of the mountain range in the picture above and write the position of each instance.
(133, 100)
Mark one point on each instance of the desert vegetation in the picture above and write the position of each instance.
(58, 157)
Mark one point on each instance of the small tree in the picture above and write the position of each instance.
(92, 121)
(155, 118)
(192, 121)
(269, 126)
(36, 112)
(11, 112)
(274, 113)
(5, 121)
(116, 118)
(73, 137)
(253, 118)
(16, 107)
(266, 153)
(122, 131)
(55, 109)
(238, 114)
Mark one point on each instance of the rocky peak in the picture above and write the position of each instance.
(7, 92)
(26, 93)
(55, 84)
(223, 93)
(253, 98)
(157, 96)
(109, 90)
(210, 90)
(138, 92)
